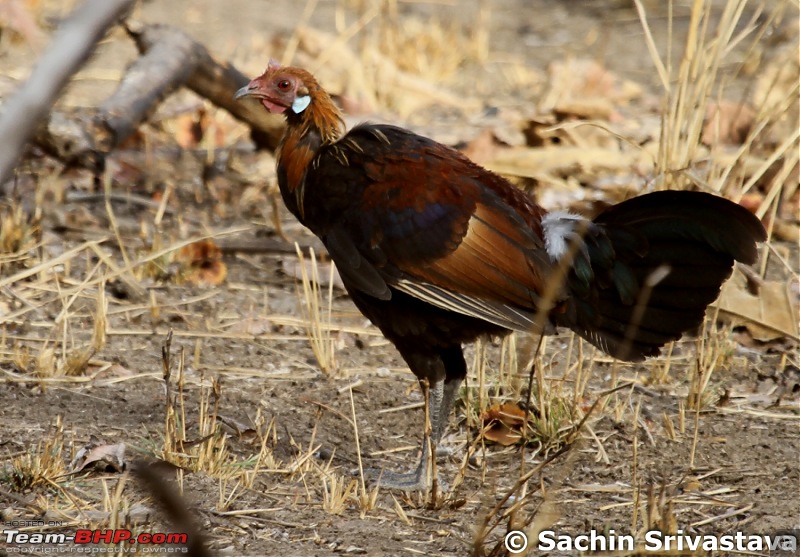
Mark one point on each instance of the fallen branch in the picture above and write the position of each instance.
(216, 82)
(71, 46)
(169, 60)
(83, 138)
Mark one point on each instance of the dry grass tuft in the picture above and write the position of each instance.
(18, 234)
(208, 452)
(337, 493)
(701, 80)
(430, 48)
(318, 313)
(40, 466)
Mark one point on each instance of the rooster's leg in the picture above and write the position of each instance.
(441, 418)
(440, 376)
(417, 480)
(439, 401)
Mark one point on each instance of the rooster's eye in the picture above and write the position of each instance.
(284, 84)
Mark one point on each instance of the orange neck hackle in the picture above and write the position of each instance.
(313, 121)
(320, 116)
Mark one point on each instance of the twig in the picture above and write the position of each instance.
(174, 506)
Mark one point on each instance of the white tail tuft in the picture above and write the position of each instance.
(559, 229)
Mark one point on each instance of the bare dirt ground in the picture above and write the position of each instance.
(81, 355)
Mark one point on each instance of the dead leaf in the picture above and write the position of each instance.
(752, 201)
(503, 424)
(189, 129)
(483, 147)
(772, 314)
(107, 458)
(135, 141)
(744, 338)
(583, 79)
(727, 123)
(202, 263)
(192, 127)
(240, 428)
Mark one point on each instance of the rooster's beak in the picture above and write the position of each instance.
(244, 91)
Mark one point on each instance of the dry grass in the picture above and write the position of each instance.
(18, 233)
(681, 162)
(318, 312)
(43, 465)
(61, 329)
(698, 81)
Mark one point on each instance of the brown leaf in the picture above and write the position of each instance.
(191, 128)
(240, 428)
(510, 414)
(727, 123)
(752, 201)
(583, 79)
(744, 338)
(503, 424)
(502, 434)
(483, 147)
(202, 263)
(135, 141)
(102, 457)
(188, 130)
(770, 315)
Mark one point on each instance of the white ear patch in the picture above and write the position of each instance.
(301, 103)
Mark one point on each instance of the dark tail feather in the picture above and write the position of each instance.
(670, 253)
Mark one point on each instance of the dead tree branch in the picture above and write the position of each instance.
(216, 82)
(169, 59)
(71, 46)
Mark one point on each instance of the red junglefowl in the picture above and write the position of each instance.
(436, 251)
